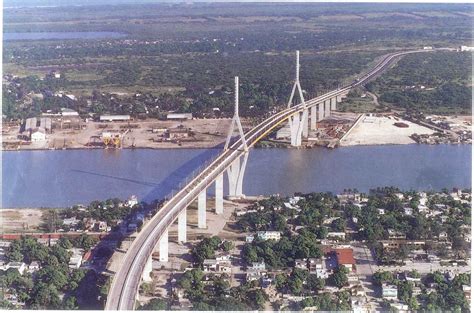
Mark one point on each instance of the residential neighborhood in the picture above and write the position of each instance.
(318, 252)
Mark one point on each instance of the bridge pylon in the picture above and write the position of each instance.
(235, 173)
(299, 122)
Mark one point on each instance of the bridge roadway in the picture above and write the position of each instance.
(126, 281)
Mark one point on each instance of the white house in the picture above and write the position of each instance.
(249, 238)
(102, 226)
(209, 265)
(179, 116)
(76, 259)
(301, 264)
(69, 112)
(269, 235)
(258, 266)
(389, 291)
(20, 266)
(336, 234)
(408, 211)
(133, 200)
(33, 267)
(38, 135)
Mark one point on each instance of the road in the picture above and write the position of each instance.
(124, 287)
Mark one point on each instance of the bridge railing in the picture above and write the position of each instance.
(191, 176)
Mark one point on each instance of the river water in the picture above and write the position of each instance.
(60, 35)
(67, 177)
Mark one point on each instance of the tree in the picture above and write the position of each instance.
(146, 289)
(75, 278)
(296, 286)
(413, 303)
(281, 281)
(256, 298)
(51, 221)
(414, 273)
(314, 283)
(381, 277)
(206, 249)
(85, 242)
(9, 277)
(53, 276)
(14, 255)
(155, 304)
(249, 253)
(405, 290)
(64, 243)
(69, 303)
(191, 282)
(45, 296)
(339, 277)
(437, 277)
(61, 254)
(227, 246)
(220, 285)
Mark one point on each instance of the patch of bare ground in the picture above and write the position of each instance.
(21, 220)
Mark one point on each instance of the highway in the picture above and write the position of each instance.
(126, 281)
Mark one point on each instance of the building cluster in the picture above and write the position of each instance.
(77, 223)
(338, 248)
(447, 130)
(78, 258)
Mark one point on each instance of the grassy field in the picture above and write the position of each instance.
(358, 105)
(193, 51)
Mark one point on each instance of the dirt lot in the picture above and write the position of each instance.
(381, 130)
(14, 220)
(205, 133)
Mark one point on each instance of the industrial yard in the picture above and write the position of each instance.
(339, 129)
(150, 133)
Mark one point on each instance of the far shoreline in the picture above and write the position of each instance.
(284, 146)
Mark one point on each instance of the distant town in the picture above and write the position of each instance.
(362, 252)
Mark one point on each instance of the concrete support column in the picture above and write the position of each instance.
(240, 180)
(313, 117)
(146, 276)
(235, 175)
(327, 108)
(220, 194)
(182, 221)
(202, 209)
(296, 129)
(333, 104)
(339, 98)
(321, 111)
(305, 123)
(164, 247)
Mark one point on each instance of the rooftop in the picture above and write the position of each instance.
(345, 256)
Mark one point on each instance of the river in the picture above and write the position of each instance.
(60, 35)
(67, 177)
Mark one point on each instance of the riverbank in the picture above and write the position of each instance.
(339, 129)
(146, 134)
